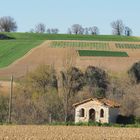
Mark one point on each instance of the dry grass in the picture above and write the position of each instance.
(5, 87)
(67, 133)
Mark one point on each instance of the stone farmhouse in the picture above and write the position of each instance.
(97, 110)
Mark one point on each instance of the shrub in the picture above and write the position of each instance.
(126, 119)
(134, 73)
(97, 81)
(3, 109)
(137, 120)
(4, 37)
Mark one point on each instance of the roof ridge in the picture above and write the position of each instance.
(105, 101)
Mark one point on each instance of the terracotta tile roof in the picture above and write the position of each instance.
(104, 101)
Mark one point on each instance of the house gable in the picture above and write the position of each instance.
(101, 101)
(91, 104)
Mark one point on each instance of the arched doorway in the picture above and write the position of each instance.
(91, 115)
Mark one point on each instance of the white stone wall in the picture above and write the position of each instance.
(97, 106)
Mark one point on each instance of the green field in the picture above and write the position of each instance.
(127, 46)
(102, 53)
(11, 50)
(82, 44)
(73, 37)
(93, 38)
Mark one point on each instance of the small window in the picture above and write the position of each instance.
(102, 113)
(82, 112)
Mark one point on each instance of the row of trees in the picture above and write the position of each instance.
(44, 95)
(8, 24)
(119, 28)
(78, 29)
(41, 28)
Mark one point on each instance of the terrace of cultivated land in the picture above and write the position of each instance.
(11, 50)
(96, 53)
(28, 50)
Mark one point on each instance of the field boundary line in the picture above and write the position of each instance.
(96, 41)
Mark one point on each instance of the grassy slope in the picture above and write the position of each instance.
(33, 36)
(11, 50)
(93, 38)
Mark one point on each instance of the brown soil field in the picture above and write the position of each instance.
(44, 54)
(67, 133)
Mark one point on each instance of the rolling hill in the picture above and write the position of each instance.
(28, 50)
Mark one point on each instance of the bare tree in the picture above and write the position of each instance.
(52, 30)
(81, 31)
(77, 29)
(97, 81)
(72, 82)
(69, 31)
(128, 31)
(94, 30)
(48, 31)
(40, 28)
(7, 24)
(42, 79)
(118, 27)
(86, 31)
(39, 89)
